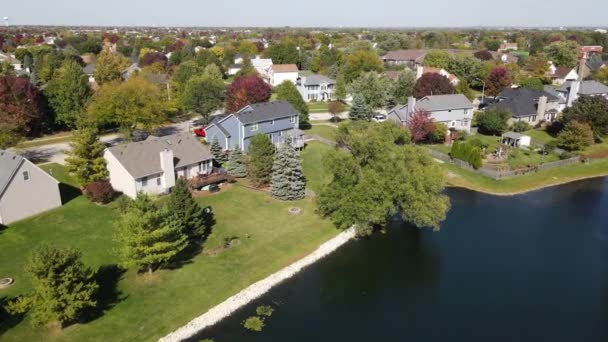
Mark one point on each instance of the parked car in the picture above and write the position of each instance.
(139, 135)
(200, 132)
(379, 117)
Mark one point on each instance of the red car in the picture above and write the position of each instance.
(200, 132)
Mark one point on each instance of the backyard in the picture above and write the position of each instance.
(323, 130)
(141, 307)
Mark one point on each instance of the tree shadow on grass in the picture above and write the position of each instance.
(2, 228)
(68, 192)
(195, 247)
(8, 321)
(108, 294)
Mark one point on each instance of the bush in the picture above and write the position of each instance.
(254, 323)
(438, 134)
(122, 203)
(264, 310)
(566, 155)
(575, 136)
(468, 153)
(521, 126)
(99, 192)
(493, 121)
(478, 143)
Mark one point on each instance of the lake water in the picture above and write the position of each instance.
(532, 267)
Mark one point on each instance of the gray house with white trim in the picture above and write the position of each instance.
(278, 120)
(316, 87)
(25, 189)
(454, 110)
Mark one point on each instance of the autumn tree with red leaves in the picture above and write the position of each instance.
(498, 80)
(245, 91)
(154, 58)
(432, 83)
(483, 55)
(420, 125)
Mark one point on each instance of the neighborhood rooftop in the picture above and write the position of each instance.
(316, 80)
(9, 163)
(266, 111)
(143, 158)
(441, 102)
(284, 68)
(586, 88)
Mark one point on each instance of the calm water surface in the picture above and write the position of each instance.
(527, 268)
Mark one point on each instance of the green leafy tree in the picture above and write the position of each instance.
(590, 110)
(360, 111)
(438, 134)
(359, 62)
(378, 173)
(284, 52)
(288, 182)
(463, 88)
(562, 53)
(219, 155)
(374, 89)
(403, 87)
(85, 159)
(186, 212)
(63, 286)
(147, 240)
(109, 67)
(184, 72)
(236, 164)
(68, 92)
(203, 94)
(437, 59)
(493, 121)
(261, 155)
(287, 91)
(340, 92)
(575, 136)
(247, 69)
(602, 75)
(532, 83)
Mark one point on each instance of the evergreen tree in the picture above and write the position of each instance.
(184, 209)
(287, 91)
(147, 240)
(261, 153)
(360, 110)
(68, 93)
(63, 286)
(288, 181)
(85, 159)
(219, 155)
(236, 165)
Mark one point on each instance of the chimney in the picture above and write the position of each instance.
(581, 66)
(166, 164)
(411, 106)
(541, 108)
(573, 94)
(419, 71)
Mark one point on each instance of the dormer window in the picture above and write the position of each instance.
(254, 127)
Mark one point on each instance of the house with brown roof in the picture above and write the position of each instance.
(421, 70)
(563, 74)
(410, 57)
(283, 72)
(506, 46)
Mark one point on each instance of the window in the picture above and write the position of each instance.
(144, 181)
(158, 181)
(272, 122)
(200, 167)
(534, 118)
(453, 124)
(292, 119)
(254, 127)
(26, 176)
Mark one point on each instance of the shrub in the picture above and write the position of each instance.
(99, 192)
(566, 155)
(521, 126)
(264, 310)
(468, 153)
(550, 146)
(122, 203)
(493, 121)
(254, 323)
(575, 136)
(478, 143)
(438, 134)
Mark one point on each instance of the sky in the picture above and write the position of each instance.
(309, 13)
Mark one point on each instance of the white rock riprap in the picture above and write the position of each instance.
(254, 291)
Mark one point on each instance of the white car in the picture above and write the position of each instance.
(379, 117)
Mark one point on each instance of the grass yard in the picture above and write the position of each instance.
(539, 136)
(144, 308)
(324, 131)
(462, 178)
(312, 162)
(318, 107)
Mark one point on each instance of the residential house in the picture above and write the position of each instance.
(421, 70)
(262, 66)
(14, 62)
(592, 65)
(278, 120)
(506, 46)
(590, 50)
(152, 166)
(561, 75)
(528, 105)
(89, 70)
(504, 57)
(25, 189)
(570, 91)
(133, 69)
(454, 110)
(233, 69)
(410, 57)
(283, 72)
(316, 87)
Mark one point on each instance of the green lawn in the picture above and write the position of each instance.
(324, 131)
(313, 166)
(145, 307)
(318, 107)
(539, 136)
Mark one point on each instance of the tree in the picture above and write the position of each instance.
(575, 136)
(562, 53)
(146, 239)
(63, 286)
(602, 75)
(532, 83)
(493, 121)
(152, 58)
(483, 55)
(68, 92)
(85, 159)
(420, 125)
(359, 62)
(203, 94)
(467, 69)
(493, 45)
(379, 173)
(184, 72)
(335, 108)
(109, 67)
(340, 92)
(245, 91)
(360, 110)
(497, 81)
(288, 181)
(287, 91)
(236, 164)
(284, 52)
(590, 110)
(247, 48)
(432, 84)
(261, 154)
(437, 59)
(373, 87)
(463, 88)
(537, 66)
(186, 212)
(219, 155)
(247, 69)
(130, 104)
(403, 87)
(22, 110)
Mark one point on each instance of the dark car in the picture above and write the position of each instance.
(139, 135)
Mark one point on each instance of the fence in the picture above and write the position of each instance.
(500, 174)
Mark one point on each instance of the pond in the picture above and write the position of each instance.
(532, 267)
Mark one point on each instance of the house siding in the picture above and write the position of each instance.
(120, 178)
(23, 198)
(459, 119)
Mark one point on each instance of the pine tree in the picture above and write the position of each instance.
(147, 240)
(219, 155)
(85, 160)
(184, 209)
(236, 165)
(261, 153)
(63, 286)
(288, 181)
(360, 110)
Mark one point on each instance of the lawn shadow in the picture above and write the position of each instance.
(68, 192)
(8, 321)
(195, 247)
(2, 228)
(108, 294)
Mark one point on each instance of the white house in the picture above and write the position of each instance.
(14, 62)
(283, 72)
(25, 189)
(262, 66)
(152, 166)
(316, 87)
(454, 110)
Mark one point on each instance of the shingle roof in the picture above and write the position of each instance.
(587, 88)
(561, 72)
(266, 111)
(443, 102)
(276, 68)
(9, 164)
(143, 158)
(405, 55)
(521, 102)
(89, 69)
(526, 93)
(596, 64)
(317, 79)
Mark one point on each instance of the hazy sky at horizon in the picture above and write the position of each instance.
(326, 13)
